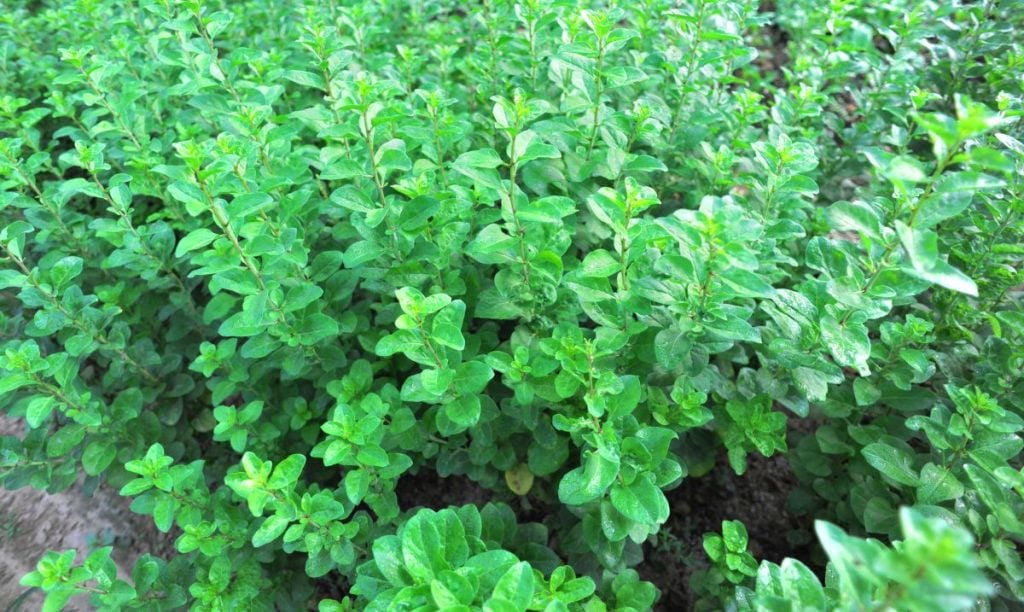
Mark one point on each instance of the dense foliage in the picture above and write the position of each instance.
(264, 260)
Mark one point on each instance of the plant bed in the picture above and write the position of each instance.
(514, 305)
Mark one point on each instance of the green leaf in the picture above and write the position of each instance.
(671, 347)
(248, 204)
(304, 78)
(190, 195)
(894, 463)
(388, 557)
(402, 341)
(745, 283)
(865, 392)
(241, 325)
(38, 410)
(463, 412)
(343, 169)
(953, 194)
(433, 303)
(97, 456)
(163, 513)
(196, 239)
(362, 252)
(535, 149)
(423, 547)
(858, 216)
(64, 270)
(923, 250)
(644, 163)
(391, 157)
(357, 483)
(734, 536)
(472, 377)
(588, 482)
(287, 471)
(491, 240)
(848, 343)
(481, 158)
(905, 169)
(271, 529)
(516, 586)
(938, 484)
(551, 209)
(599, 264)
(353, 199)
(480, 167)
(57, 599)
(446, 327)
(373, 456)
(12, 381)
(609, 209)
(11, 278)
(641, 501)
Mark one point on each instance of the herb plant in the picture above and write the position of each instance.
(264, 261)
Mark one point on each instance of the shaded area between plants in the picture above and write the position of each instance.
(699, 505)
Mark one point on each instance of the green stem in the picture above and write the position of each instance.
(518, 229)
(392, 230)
(890, 249)
(598, 92)
(81, 325)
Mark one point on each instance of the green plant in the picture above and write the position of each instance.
(731, 564)
(264, 262)
(461, 558)
(931, 567)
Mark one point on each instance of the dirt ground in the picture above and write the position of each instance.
(700, 505)
(32, 522)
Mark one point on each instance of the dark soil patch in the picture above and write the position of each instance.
(427, 489)
(700, 505)
(423, 489)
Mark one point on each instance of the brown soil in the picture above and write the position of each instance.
(424, 489)
(33, 522)
(427, 489)
(700, 505)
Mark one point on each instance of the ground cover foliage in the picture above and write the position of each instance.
(264, 260)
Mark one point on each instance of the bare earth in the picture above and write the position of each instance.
(32, 522)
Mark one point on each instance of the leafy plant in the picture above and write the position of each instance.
(458, 558)
(731, 564)
(930, 567)
(264, 263)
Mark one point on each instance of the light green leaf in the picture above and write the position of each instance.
(588, 482)
(848, 343)
(391, 157)
(446, 328)
(858, 216)
(923, 250)
(464, 411)
(402, 341)
(516, 586)
(952, 195)
(599, 263)
(894, 463)
(270, 530)
(938, 484)
(196, 239)
(641, 501)
(551, 209)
